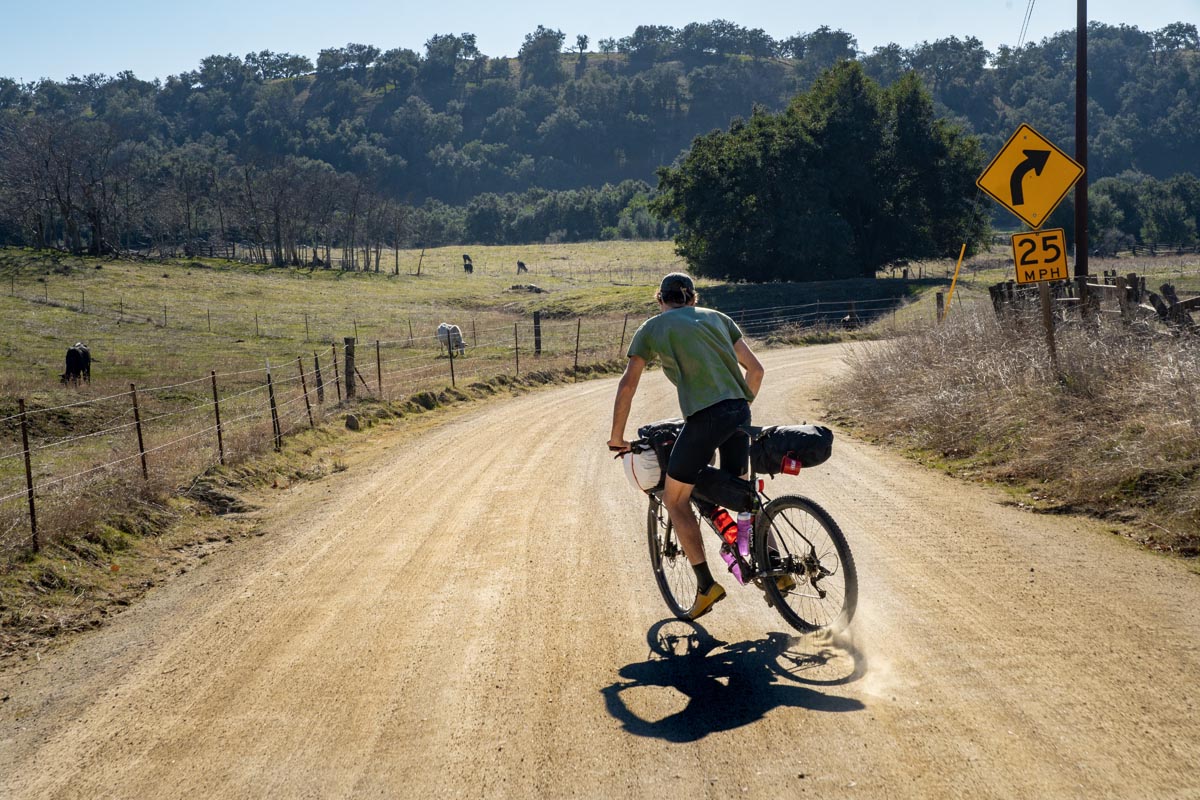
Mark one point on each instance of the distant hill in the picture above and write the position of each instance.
(398, 132)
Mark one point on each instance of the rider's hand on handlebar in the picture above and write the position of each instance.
(618, 446)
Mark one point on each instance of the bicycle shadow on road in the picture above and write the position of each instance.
(730, 685)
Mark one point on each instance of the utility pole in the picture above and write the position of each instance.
(1081, 186)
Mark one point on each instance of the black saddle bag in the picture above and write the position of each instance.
(809, 444)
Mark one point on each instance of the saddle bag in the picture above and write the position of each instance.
(786, 448)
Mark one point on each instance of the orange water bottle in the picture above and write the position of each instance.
(724, 524)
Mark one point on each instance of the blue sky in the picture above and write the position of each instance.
(156, 38)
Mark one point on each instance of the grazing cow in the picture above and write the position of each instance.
(79, 364)
(451, 337)
(468, 267)
(521, 267)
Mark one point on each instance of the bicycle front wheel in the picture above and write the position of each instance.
(674, 574)
(807, 569)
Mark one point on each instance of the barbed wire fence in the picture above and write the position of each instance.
(59, 464)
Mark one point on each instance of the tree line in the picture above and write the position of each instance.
(70, 183)
(1133, 209)
(849, 178)
(395, 146)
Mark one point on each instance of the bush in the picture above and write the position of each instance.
(1116, 431)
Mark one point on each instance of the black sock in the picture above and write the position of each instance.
(704, 578)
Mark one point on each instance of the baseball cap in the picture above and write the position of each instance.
(677, 281)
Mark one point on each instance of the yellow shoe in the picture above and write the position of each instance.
(784, 583)
(706, 600)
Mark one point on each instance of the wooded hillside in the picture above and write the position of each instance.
(373, 145)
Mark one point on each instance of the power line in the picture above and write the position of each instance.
(1025, 23)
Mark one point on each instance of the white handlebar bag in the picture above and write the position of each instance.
(642, 470)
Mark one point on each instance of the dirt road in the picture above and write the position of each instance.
(470, 613)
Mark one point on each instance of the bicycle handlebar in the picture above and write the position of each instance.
(635, 447)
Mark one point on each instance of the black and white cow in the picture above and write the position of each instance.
(79, 364)
(451, 337)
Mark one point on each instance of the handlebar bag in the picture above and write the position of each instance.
(662, 436)
(809, 444)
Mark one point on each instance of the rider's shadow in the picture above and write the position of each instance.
(728, 686)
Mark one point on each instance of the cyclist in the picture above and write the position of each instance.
(704, 354)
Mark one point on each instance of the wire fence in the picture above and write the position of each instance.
(62, 467)
(313, 324)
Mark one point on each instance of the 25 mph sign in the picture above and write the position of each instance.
(1041, 256)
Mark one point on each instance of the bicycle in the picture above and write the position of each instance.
(798, 557)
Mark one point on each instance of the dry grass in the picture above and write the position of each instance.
(1115, 431)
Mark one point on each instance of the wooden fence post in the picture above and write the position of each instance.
(941, 306)
(624, 327)
(1048, 322)
(277, 433)
(575, 369)
(28, 476)
(137, 420)
(306, 326)
(517, 350)
(537, 333)
(256, 333)
(304, 387)
(474, 335)
(337, 382)
(450, 350)
(217, 411)
(378, 370)
(320, 383)
(1082, 289)
(1135, 287)
(348, 369)
(410, 333)
(997, 293)
(1122, 297)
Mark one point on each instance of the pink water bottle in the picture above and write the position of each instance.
(745, 523)
(731, 561)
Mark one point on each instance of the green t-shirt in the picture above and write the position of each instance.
(696, 348)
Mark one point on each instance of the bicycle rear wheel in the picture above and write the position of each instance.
(674, 574)
(807, 569)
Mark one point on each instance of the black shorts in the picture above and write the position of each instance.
(706, 431)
